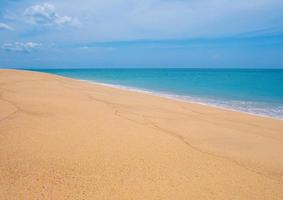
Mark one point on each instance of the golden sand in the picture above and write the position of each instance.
(66, 139)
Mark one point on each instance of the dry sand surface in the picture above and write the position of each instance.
(66, 139)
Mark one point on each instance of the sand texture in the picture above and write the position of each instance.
(67, 139)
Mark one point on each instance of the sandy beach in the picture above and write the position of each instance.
(67, 139)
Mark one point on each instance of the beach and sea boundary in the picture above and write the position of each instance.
(253, 91)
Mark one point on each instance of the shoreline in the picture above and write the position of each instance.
(165, 95)
(67, 138)
(173, 97)
(210, 102)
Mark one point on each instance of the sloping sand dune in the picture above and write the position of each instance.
(66, 139)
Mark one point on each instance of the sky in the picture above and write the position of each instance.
(141, 33)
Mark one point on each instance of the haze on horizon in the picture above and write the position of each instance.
(135, 33)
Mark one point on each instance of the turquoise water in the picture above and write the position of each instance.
(256, 91)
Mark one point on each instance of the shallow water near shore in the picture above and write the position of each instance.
(255, 91)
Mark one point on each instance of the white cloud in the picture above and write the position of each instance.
(21, 47)
(5, 27)
(45, 14)
(116, 20)
(106, 20)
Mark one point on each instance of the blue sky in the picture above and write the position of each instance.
(141, 33)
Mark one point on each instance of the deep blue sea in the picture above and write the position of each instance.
(256, 91)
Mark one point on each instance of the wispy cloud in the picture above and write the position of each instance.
(112, 20)
(4, 26)
(21, 47)
(46, 15)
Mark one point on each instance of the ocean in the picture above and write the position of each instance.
(255, 91)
